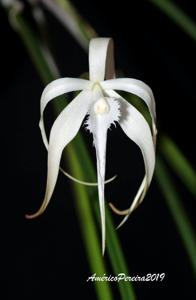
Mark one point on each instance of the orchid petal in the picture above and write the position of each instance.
(139, 197)
(55, 89)
(87, 183)
(135, 203)
(137, 129)
(101, 62)
(63, 131)
(137, 88)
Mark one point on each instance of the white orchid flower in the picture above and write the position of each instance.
(104, 107)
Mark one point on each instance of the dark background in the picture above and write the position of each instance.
(46, 257)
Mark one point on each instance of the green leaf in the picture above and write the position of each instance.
(178, 162)
(174, 203)
(177, 15)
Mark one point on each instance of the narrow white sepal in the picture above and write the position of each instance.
(137, 200)
(137, 129)
(101, 59)
(138, 88)
(63, 131)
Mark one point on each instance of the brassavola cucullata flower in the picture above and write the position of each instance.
(104, 106)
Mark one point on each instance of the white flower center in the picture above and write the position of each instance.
(101, 106)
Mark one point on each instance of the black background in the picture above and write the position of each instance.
(45, 257)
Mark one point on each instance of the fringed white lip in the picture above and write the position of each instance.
(104, 107)
(104, 112)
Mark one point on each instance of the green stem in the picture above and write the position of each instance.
(71, 20)
(85, 214)
(173, 202)
(178, 162)
(29, 40)
(89, 230)
(113, 244)
(177, 15)
(117, 259)
(86, 30)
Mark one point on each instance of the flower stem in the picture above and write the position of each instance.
(173, 202)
